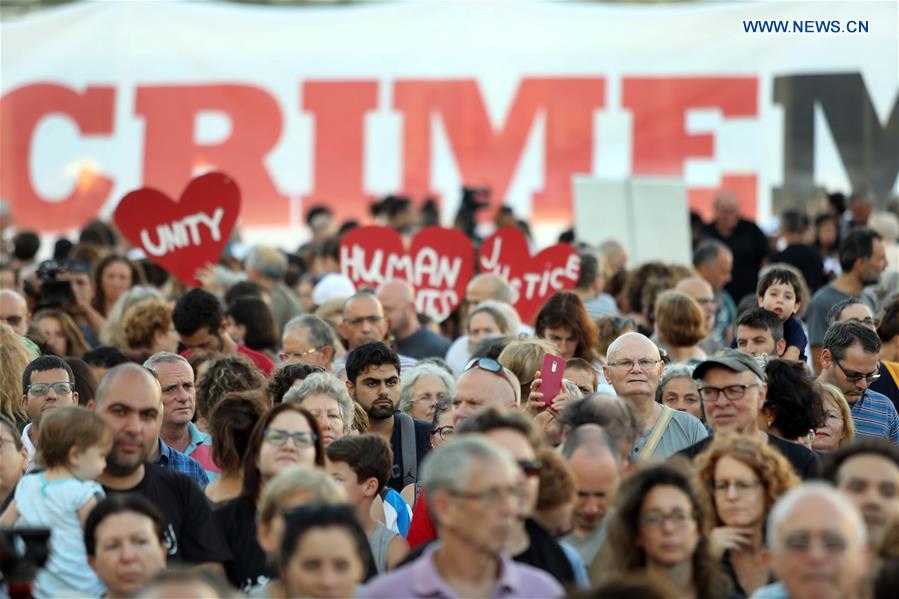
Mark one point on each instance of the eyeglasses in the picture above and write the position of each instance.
(290, 355)
(42, 389)
(444, 432)
(854, 377)
(731, 392)
(355, 322)
(530, 467)
(656, 519)
(800, 542)
(645, 364)
(722, 487)
(278, 437)
(867, 321)
(494, 495)
(489, 365)
(12, 321)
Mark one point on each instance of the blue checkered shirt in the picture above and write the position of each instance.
(177, 461)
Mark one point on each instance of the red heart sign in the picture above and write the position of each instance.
(182, 236)
(533, 278)
(438, 264)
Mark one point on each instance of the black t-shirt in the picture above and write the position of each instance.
(805, 461)
(191, 534)
(749, 247)
(545, 553)
(422, 344)
(809, 262)
(886, 385)
(237, 521)
(422, 447)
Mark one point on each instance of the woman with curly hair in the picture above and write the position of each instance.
(225, 375)
(656, 530)
(60, 333)
(149, 329)
(564, 322)
(741, 478)
(793, 408)
(680, 327)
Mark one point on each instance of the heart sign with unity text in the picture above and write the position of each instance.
(182, 236)
(533, 278)
(437, 263)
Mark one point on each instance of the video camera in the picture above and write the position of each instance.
(55, 291)
(23, 551)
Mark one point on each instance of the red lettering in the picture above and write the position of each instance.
(339, 108)
(21, 110)
(172, 157)
(659, 105)
(486, 155)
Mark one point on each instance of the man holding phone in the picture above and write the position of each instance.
(634, 368)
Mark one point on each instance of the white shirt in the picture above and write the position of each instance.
(26, 441)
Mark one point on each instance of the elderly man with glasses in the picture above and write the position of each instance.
(732, 387)
(47, 383)
(849, 361)
(634, 368)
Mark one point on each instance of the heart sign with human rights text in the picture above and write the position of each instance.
(182, 236)
(532, 278)
(437, 263)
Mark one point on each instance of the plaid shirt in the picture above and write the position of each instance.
(875, 416)
(177, 461)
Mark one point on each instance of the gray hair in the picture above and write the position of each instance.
(591, 436)
(674, 371)
(444, 469)
(271, 263)
(322, 383)
(411, 376)
(572, 389)
(787, 504)
(164, 357)
(319, 332)
(708, 251)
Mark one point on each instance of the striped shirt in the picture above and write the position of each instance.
(875, 416)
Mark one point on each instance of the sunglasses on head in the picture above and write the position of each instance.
(489, 365)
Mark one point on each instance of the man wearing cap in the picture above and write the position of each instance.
(732, 387)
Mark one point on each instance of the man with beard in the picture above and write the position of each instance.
(129, 399)
(863, 259)
(850, 362)
(593, 457)
(868, 473)
(475, 493)
(373, 381)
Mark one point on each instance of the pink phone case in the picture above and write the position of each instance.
(551, 377)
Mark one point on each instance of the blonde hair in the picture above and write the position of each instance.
(317, 483)
(142, 321)
(14, 357)
(525, 357)
(832, 392)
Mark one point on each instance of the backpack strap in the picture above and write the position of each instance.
(407, 445)
(658, 430)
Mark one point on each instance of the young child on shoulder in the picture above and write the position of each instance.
(72, 447)
(782, 291)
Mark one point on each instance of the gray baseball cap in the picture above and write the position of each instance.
(731, 359)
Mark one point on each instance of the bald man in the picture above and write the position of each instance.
(14, 311)
(485, 383)
(592, 454)
(129, 399)
(634, 368)
(701, 291)
(398, 299)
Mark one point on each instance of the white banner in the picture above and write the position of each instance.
(340, 104)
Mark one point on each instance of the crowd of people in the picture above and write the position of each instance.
(723, 429)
